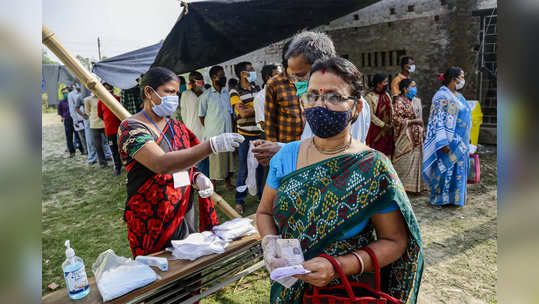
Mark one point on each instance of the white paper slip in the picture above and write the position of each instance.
(287, 282)
(287, 271)
(181, 179)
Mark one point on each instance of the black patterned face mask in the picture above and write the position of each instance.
(327, 123)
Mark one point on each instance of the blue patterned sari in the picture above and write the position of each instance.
(449, 124)
(320, 203)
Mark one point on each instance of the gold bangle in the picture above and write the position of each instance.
(360, 259)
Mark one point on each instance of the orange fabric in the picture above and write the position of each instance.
(395, 84)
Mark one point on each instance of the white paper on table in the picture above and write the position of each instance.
(287, 271)
(197, 245)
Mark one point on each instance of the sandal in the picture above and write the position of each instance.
(239, 209)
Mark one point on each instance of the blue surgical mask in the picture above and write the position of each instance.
(327, 123)
(252, 77)
(301, 87)
(168, 105)
(412, 92)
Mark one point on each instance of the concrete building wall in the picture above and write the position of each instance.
(437, 34)
(394, 10)
(378, 48)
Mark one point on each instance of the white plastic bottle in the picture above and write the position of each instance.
(75, 275)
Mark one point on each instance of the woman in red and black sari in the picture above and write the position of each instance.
(160, 156)
(380, 136)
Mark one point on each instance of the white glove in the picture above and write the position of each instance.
(226, 142)
(269, 248)
(205, 187)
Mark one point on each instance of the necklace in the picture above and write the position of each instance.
(333, 151)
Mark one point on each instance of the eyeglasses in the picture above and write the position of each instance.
(309, 99)
(295, 78)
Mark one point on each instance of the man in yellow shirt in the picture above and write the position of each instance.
(242, 101)
(407, 67)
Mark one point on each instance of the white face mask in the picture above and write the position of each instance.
(168, 105)
(412, 68)
(460, 84)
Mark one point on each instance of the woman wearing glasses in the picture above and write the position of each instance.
(332, 193)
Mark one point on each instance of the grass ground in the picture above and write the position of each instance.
(85, 204)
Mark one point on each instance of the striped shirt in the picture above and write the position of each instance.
(242, 97)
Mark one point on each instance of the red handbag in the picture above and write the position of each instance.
(345, 293)
(474, 175)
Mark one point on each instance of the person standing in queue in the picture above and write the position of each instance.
(446, 147)
(111, 128)
(242, 102)
(380, 136)
(408, 137)
(215, 114)
(160, 156)
(67, 120)
(189, 113)
(407, 67)
(284, 120)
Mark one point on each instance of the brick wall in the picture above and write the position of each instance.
(437, 33)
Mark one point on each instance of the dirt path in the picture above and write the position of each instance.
(459, 243)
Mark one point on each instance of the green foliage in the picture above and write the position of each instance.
(85, 62)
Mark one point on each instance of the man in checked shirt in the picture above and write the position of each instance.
(284, 118)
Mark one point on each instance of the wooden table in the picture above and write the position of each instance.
(210, 272)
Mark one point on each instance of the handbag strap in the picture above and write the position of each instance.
(343, 277)
(376, 266)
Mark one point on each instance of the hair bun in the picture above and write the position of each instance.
(441, 77)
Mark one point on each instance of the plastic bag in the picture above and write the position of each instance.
(117, 275)
(252, 164)
(233, 229)
(197, 245)
(474, 173)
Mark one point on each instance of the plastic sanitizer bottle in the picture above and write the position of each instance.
(75, 275)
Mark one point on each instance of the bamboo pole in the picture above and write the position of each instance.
(82, 74)
(50, 41)
(225, 207)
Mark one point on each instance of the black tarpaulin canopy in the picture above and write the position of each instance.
(122, 71)
(209, 32)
